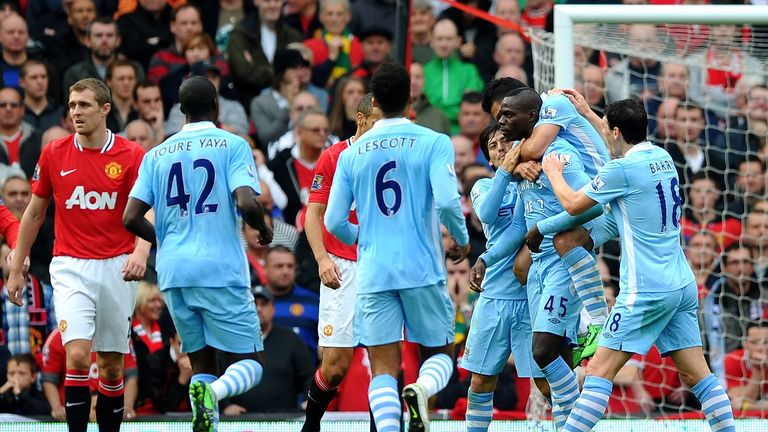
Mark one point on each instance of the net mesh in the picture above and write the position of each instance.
(675, 70)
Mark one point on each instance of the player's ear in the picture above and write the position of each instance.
(106, 108)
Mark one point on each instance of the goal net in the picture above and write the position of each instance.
(704, 88)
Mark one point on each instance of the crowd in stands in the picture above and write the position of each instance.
(290, 75)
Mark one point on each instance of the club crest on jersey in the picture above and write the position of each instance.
(317, 182)
(113, 170)
(63, 325)
(548, 113)
(328, 330)
(597, 184)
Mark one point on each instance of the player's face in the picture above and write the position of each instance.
(21, 374)
(609, 135)
(86, 113)
(497, 148)
(16, 195)
(515, 122)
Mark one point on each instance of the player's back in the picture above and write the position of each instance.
(576, 130)
(648, 219)
(388, 169)
(193, 176)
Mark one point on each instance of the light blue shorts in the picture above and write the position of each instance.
(555, 307)
(498, 328)
(222, 318)
(426, 313)
(668, 319)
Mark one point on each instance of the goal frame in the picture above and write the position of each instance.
(568, 15)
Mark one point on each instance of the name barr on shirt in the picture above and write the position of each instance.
(187, 146)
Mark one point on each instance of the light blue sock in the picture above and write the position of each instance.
(385, 403)
(715, 404)
(585, 275)
(591, 405)
(564, 387)
(435, 373)
(237, 379)
(479, 411)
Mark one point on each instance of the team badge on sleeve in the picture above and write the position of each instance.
(317, 182)
(597, 184)
(548, 113)
(36, 174)
(565, 158)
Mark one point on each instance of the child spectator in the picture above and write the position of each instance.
(20, 395)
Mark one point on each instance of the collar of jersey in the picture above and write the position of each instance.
(645, 145)
(196, 126)
(397, 121)
(105, 148)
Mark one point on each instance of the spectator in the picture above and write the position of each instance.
(276, 194)
(509, 51)
(446, 76)
(376, 47)
(535, 13)
(14, 38)
(252, 48)
(363, 10)
(335, 51)
(665, 131)
(164, 371)
(302, 102)
(70, 47)
(426, 114)
(746, 370)
(140, 132)
(421, 21)
(734, 301)
(20, 395)
(293, 168)
(49, 17)
(20, 144)
(704, 212)
(295, 307)
(689, 151)
(288, 366)
(343, 113)
(121, 79)
(477, 37)
(749, 190)
(270, 110)
(507, 10)
(472, 119)
(464, 151)
(755, 237)
(256, 252)
(149, 106)
(305, 74)
(146, 30)
(593, 87)
(40, 112)
(702, 250)
(673, 81)
(636, 76)
(304, 17)
(232, 116)
(747, 132)
(185, 23)
(511, 71)
(103, 39)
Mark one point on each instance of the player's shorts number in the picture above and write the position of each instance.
(384, 185)
(676, 202)
(614, 325)
(549, 306)
(176, 194)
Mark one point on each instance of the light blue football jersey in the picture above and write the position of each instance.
(643, 190)
(189, 180)
(400, 176)
(576, 130)
(494, 202)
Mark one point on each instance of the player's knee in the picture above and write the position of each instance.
(482, 383)
(79, 358)
(111, 372)
(566, 241)
(334, 373)
(520, 268)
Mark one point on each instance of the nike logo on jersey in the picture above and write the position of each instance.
(71, 404)
(66, 173)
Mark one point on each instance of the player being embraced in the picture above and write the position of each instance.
(197, 181)
(337, 263)
(398, 174)
(658, 296)
(501, 322)
(88, 175)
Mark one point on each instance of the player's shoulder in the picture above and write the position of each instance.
(555, 104)
(60, 144)
(480, 186)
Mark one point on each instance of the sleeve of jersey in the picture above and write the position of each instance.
(53, 359)
(564, 221)
(242, 168)
(41, 179)
(339, 203)
(487, 201)
(734, 375)
(9, 226)
(557, 110)
(447, 200)
(142, 187)
(321, 182)
(138, 158)
(511, 240)
(609, 184)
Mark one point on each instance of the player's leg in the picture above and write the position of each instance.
(533, 291)
(379, 326)
(110, 404)
(429, 321)
(522, 266)
(77, 393)
(336, 336)
(480, 402)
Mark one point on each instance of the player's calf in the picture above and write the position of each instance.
(548, 351)
(110, 403)
(323, 388)
(480, 402)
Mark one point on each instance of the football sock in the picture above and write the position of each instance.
(385, 403)
(590, 406)
(318, 398)
(435, 373)
(237, 379)
(479, 411)
(77, 398)
(585, 275)
(110, 405)
(715, 404)
(564, 387)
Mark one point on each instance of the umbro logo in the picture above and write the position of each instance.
(66, 173)
(607, 335)
(554, 321)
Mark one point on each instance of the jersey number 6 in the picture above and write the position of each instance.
(384, 185)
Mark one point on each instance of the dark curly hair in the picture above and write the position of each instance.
(391, 87)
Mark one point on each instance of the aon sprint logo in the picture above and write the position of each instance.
(91, 200)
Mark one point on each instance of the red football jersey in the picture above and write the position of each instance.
(90, 189)
(9, 226)
(321, 190)
(55, 364)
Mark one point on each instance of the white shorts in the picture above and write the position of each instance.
(336, 323)
(93, 302)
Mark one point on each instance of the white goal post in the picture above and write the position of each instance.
(568, 15)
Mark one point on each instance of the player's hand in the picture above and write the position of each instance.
(512, 158)
(330, 274)
(577, 99)
(59, 414)
(530, 170)
(552, 164)
(234, 409)
(129, 413)
(15, 286)
(533, 239)
(135, 265)
(477, 275)
(265, 235)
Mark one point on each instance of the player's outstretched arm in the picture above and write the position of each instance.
(31, 221)
(487, 200)
(253, 212)
(511, 240)
(330, 274)
(574, 202)
(533, 148)
(135, 221)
